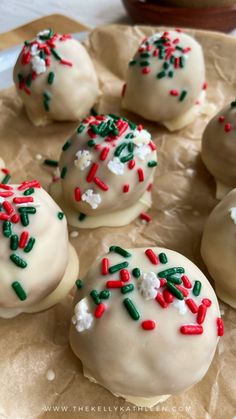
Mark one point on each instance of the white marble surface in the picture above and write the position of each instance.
(14, 13)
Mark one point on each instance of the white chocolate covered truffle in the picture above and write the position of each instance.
(38, 266)
(55, 78)
(218, 248)
(219, 150)
(146, 323)
(166, 79)
(107, 169)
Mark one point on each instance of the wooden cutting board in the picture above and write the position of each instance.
(58, 22)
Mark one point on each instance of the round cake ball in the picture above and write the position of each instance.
(219, 151)
(218, 248)
(166, 79)
(55, 78)
(38, 266)
(146, 324)
(107, 169)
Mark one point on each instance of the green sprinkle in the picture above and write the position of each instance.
(177, 293)
(21, 263)
(197, 288)
(14, 241)
(161, 75)
(132, 62)
(29, 80)
(20, 292)
(91, 143)
(95, 129)
(82, 216)
(144, 63)
(182, 62)
(119, 149)
(130, 135)
(113, 116)
(55, 54)
(172, 59)
(120, 251)
(95, 296)
(131, 147)
(127, 288)
(20, 77)
(79, 284)
(118, 267)
(183, 95)
(48, 35)
(131, 125)
(93, 112)
(60, 215)
(161, 54)
(171, 271)
(49, 162)
(42, 54)
(166, 65)
(80, 128)
(51, 77)
(130, 307)
(136, 272)
(152, 163)
(233, 104)
(63, 172)
(179, 48)
(126, 158)
(24, 219)
(145, 55)
(46, 106)
(174, 279)
(29, 191)
(163, 258)
(46, 96)
(29, 245)
(27, 210)
(27, 43)
(66, 145)
(6, 228)
(104, 295)
(6, 179)
(171, 74)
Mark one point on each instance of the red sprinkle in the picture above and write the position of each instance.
(124, 275)
(151, 256)
(205, 86)
(148, 324)
(15, 218)
(101, 184)
(183, 290)
(6, 194)
(161, 301)
(191, 305)
(114, 284)
(228, 127)
(152, 145)
(4, 216)
(66, 62)
(146, 70)
(174, 92)
(155, 53)
(77, 194)
(186, 281)
(140, 127)
(6, 187)
(176, 64)
(145, 216)
(149, 188)
(221, 119)
(30, 184)
(105, 266)
(92, 172)
(191, 330)
(6, 171)
(23, 239)
(23, 200)
(91, 133)
(140, 174)
(220, 326)
(168, 297)
(99, 311)
(104, 153)
(206, 301)
(126, 188)
(163, 282)
(131, 164)
(8, 207)
(202, 309)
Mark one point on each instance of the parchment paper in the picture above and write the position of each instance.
(183, 195)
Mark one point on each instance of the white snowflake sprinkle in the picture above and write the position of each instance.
(148, 285)
(38, 65)
(233, 214)
(82, 319)
(45, 32)
(180, 305)
(34, 50)
(115, 166)
(92, 198)
(141, 137)
(83, 159)
(142, 151)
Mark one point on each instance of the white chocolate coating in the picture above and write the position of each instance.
(69, 82)
(126, 185)
(129, 361)
(219, 246)
(165, 79)
(218, 149)
(49, 262)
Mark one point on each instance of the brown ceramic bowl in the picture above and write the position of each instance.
(198, 3)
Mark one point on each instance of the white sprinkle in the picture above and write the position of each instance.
(74, 234)
(115, 166)
(2, 199)
(180, 305)
(141, 137)
(50, 375)
(92, 198)
(34, 50)
(148, 285)
(233, 214)
(83, 159)
(38, 65)
(142, 151)
(44, 32)
(38, 156)
(82, 319)
(222, 312)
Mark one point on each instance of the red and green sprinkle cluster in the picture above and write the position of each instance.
(222, 119)
(174, 285)
(36, 57)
